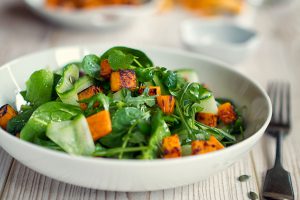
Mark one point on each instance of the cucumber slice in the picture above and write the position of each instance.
(65, 87)
(83, 83)
(74, 136)
(70, 85)
(69, 77)
(209, 105)
(189, 75)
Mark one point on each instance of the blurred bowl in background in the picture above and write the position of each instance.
(218, 38)
(96, 18)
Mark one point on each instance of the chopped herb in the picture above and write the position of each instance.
(136, 122)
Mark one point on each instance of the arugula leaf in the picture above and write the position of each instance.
(39, 87)
(91, 66)
(218, 132)
(100, 98)
(122, 120)
(159, 130)
(141, 100)
(125, 97)
(119, 60)
(144, 74)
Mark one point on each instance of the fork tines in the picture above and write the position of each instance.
(279, 93)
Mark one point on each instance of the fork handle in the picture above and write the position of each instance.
(279, 137)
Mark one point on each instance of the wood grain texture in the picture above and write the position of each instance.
(24, 183)
(5, 163)
(277, 57)
(16, 39)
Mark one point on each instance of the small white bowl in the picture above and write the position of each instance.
(137, 175)
(218, 38)
(97, 18)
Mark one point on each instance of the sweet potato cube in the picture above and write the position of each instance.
(208, 119)
(153, 90)
(226, 113)
(166, 103)
(6, 113)
(123, 79)
(171, 147)
(88, 93)
(105, 69)
(100, 124)
(203, 146)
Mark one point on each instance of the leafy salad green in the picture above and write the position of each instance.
(120, 105)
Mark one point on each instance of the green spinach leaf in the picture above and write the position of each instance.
(47, 143)
(39, 87)
(140, 58)
(91, 66)
(43, 115)
(16, 124)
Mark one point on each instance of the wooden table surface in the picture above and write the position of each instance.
(277, 57)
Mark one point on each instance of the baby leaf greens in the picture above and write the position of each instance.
(39, 87)
(41, 117)
(126, 55)
(91, 65)
(120, 105)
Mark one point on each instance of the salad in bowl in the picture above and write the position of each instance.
(121, 105)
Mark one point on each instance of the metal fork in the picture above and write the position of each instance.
(278, 184)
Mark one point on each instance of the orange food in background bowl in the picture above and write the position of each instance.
(88, 4)
(213, 7)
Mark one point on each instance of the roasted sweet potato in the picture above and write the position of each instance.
(105, 69)
(226, 113)
(208, 119)
(6, 113)
(100, 124)
(166, 103)
(203, 146)
(122, 79)
(153, 90)
(88, 93)
(171, 147)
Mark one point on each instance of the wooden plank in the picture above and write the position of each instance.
(24, 184)
(20, 33)
(277, 58)
(5, 163)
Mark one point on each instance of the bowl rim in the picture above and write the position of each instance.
(135, 162)
(124, 9)
(251, 42)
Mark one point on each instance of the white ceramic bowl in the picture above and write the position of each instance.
(136, 175)
(222, 39)
(98, 18)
